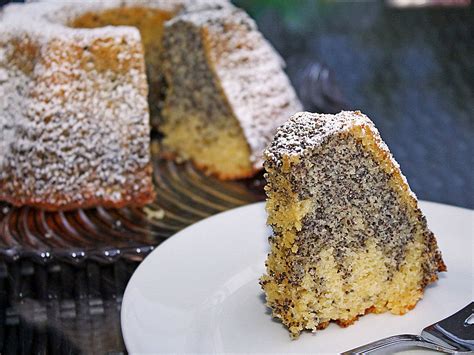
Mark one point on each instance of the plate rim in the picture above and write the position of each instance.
(184, 231)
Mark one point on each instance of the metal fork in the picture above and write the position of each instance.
(453, 335)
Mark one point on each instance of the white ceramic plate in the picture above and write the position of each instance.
(199, 291)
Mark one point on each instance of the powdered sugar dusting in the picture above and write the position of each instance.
(75, 125)
(306, 131)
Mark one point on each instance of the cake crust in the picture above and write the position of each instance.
(61, 201)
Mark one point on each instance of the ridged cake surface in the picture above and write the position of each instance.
(74, 124)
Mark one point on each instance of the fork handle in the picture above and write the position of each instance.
(398, 342)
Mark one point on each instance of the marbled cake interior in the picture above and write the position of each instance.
(225, 101)
(198, 122)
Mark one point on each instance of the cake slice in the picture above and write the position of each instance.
(227, 92)
(348, 235)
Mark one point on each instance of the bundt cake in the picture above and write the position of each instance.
(227, 92)
(348, 235)
(74, 122)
